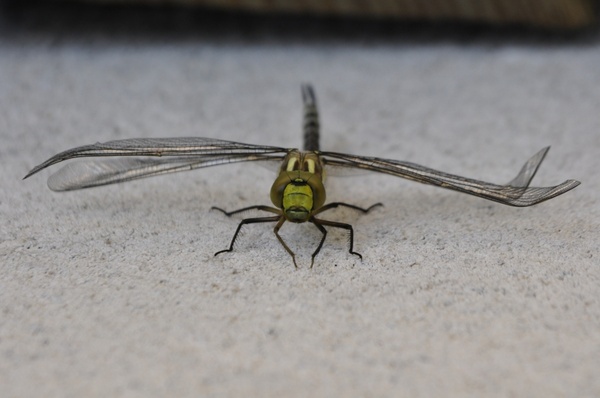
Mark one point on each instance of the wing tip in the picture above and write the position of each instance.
(35, 170)
(529, 169)
(551, 193)
(571, 184)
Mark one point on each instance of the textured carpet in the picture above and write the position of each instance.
(114, 291)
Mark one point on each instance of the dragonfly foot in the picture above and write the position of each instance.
(357, 254)
(219, 209)
(222, 251)
(373, 206)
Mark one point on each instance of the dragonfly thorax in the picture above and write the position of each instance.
(298, 190)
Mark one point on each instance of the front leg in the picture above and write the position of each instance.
(335, 224)
(324, 232)
(258, 207)
(334, 205)
(248, 221)
(285, 246)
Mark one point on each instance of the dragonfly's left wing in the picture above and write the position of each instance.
(145, 157)
(515, 193)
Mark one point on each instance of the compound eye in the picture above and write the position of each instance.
(292, 165)
(309, 165)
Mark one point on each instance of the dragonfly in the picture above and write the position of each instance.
(298, 192)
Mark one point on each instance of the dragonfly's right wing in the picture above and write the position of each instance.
(147, 157)
(515, 193)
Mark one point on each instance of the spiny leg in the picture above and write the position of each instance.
(249, 221)
(258, 207)
(324, 232)
(319, 224)
(276, 230)
(334, 205)
(337, 225)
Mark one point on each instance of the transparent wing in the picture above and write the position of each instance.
(515, 193)
(148, 157)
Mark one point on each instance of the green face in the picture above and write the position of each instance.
(297, 201)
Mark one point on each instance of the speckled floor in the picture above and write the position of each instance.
(114, 291)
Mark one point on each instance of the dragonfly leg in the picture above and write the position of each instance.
(324, 232)
(249, 221)
(258, 207)
(334, 205)
(335, 224)
(287, 249)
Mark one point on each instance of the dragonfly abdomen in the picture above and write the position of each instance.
(311, 119)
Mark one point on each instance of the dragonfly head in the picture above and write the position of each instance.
(298, 189)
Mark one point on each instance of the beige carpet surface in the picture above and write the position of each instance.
(114, 291)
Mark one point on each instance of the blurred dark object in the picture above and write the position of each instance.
(553, 14)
